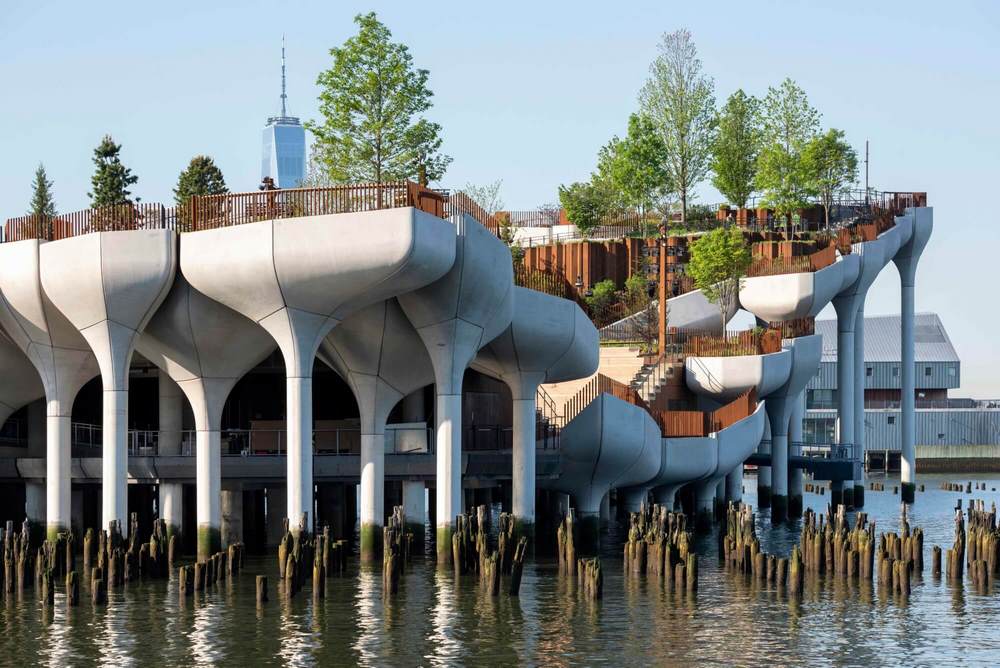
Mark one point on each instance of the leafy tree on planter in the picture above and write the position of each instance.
(372, 102)
(719, 260)
(832, 165)
(201, 177)
(43, 204)
(736, 146)
(789, 124)
(680, 101)
(635, 168)
(585, 203)
(111, 180)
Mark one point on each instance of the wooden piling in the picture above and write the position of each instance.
(72, 588)
(261, 589)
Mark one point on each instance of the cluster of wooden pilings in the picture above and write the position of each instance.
(967, 487)
(976, 548)
(301, 554)
(397, 550)
(899, 556)
(740, 551)
(472, 551)
(659, 545)
(202, 575)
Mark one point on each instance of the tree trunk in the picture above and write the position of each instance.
(684, 208)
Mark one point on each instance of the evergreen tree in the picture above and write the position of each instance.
(43, 204)
(372, 101)
(201, 177)
(111, 180)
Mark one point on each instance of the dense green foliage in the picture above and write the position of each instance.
(736, 147)
(111, 180)
(789, 123)
(585, 204)
(634, 168)
(601, 296)
(43, 203)
(719, 259)
(200, 177)
(831, 165)
(372, 102)
(680, 101)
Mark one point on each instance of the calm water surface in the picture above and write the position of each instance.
(440, 620)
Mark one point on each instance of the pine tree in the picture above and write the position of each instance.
(43, 204)
(111, 180)
(201, 177)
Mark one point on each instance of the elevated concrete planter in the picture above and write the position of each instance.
(724, 378)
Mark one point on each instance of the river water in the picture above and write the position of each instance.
(437, 619)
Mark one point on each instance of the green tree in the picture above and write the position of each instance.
(201, 177)
(111, 180)
(789, 124)
(680, 101)
(585, 204)
(735, 148)
(831, 164)
(43, 204)
(634, 168)
(719, 260)
(371, 102)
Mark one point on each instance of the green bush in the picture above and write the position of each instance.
(601, 296)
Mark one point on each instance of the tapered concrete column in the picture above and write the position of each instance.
(845, 389)
(633, 498)
(114, 457)
(171, 403)
(858, 491)
(232, 515)
(734, 485)
(448, 434)
(208, 487)
(414, 511)
(523, 480)
(906, 260)
(372, 494)
(795, 487)
(665, 495)
(58, 465)
(299, 417)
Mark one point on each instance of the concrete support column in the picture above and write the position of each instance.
(414, 511)
(795, 487)
(115, 460)
(860, 374)
(372, 495)
(666, 496)
(231, 502)
(705, 502)
(908, 388)
(633, 498)
(58, 481)
(448, 434)
(523, 480)
(734, 485)
(779, 474)
(845, 390)
(299, 421)
(208, 484)
(168, 442)
(34, 502)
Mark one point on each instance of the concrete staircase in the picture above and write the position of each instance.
(617, 362)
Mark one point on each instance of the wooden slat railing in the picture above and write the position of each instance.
(732, 344)
(739, 408)
(798, 264)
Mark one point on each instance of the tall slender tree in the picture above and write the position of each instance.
(635, 168)
(111, 180)
(789, 124)
(372, 101)
(43, 204)
(680, 100)
(736, 146)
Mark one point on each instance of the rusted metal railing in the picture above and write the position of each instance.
(113, 218)
(212, 211)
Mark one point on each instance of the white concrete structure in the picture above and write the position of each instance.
(171, 423)
(734, 444)
(549, 340)
(205, 348)
(380, 355)
(456, 316)
(725, 378)
(299, 277)
(906, 260)
(108, 285)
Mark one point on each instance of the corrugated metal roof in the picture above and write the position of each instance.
(931, 342)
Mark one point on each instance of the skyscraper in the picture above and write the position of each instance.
(284, 147)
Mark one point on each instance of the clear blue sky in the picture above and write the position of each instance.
(528, 92)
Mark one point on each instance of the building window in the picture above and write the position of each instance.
(951, 371)
(927, 371)
(868, 371)
(940, 436)
(892, 419)
(895, 372)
